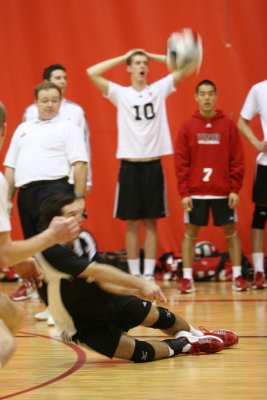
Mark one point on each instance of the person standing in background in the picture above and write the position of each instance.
(256, 103)
(209, 167)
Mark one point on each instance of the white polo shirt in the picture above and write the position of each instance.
(4, 217)
(143, 129)
(256, 103)
(73, 112)
(45, 150)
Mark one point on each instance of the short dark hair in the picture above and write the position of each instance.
(206, 82)
(2, 114)
(52, 206)
(48, 70)
(136, 53)
(46, 86)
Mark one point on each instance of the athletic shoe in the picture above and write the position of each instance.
(187, 286)
(229, 338)
(149, 278)
(42, 316)
(240, 284)
(23, 293)
(259, 281)
(8, 275)
(204, 344)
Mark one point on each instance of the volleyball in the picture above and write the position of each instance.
(184, 47)
(204, 249)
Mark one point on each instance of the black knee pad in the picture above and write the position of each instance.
(143, 352)
(166, 319)
(259, 217)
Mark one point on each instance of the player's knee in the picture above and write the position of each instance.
(190, 236)
(165, 320)
(259, 217)
(143, 352)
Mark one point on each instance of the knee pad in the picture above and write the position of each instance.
(259, 217)
(166, 319)
(143, 352)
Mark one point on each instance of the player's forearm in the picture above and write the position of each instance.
(102, 67)
(247, 132)
(116, 289)
(13, 252)
(9, 175)
(106, 273)
(80, 177)
(157, 57)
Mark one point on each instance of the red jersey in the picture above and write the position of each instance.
(209, 156)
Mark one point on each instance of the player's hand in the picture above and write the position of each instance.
(130, 52)
(30, 272)
(187, 203)
(233, 200)
(64, 230)
(261, 146)
(152, 292)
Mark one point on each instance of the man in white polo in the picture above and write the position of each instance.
(40, 156)
(56, 73)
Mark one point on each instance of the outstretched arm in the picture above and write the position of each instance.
(116, 281)
(60, 230)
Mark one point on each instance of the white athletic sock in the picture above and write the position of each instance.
(134, 266)
(236, 269)
(195, 332)
(171, 351)
(149, 266)
(188, 273)
(258, 260)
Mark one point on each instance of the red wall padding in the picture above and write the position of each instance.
(79, 33)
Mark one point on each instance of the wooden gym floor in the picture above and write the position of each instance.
(46, 368)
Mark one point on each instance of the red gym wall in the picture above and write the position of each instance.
(79, 33)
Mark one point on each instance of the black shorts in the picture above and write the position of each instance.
(101, 322)
(222, 214)
(259, 195)
(141, 191)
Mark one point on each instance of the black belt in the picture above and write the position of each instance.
(30, 184)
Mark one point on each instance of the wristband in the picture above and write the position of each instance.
(79, 195)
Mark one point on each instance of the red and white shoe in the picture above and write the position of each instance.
(259, 281)
(240, 284)
(23, 293)
(187, 286)
(229, 338)
(204, 344)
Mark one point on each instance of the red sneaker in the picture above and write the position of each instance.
(23, 293)
(204, 344)
(259, 281)
(187, 286)
(229, 338)
(240, 284)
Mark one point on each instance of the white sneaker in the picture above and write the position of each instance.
(42, 316)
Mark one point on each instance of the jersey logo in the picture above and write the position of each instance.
(208, 138)
(144, 303)
(144, 355)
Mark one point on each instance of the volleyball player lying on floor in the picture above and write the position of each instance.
(94, 304)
